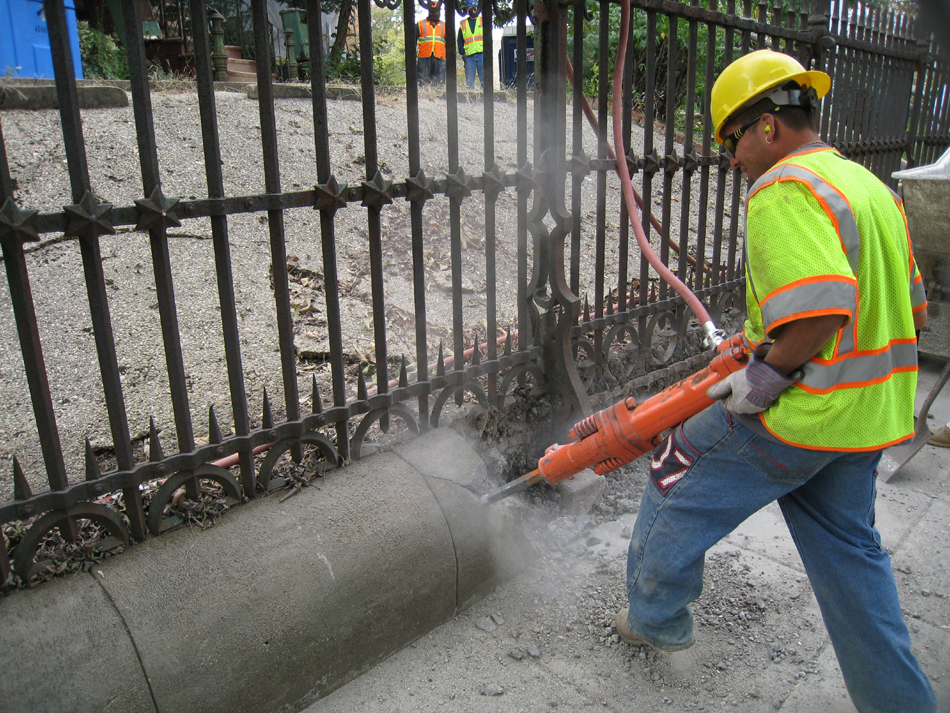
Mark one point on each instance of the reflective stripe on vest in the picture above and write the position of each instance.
(823, 376)
(472, 40)
(431, 40)
(839, 210)
(808, 296)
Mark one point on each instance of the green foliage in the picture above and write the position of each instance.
(667, 75)
(389, 47)
(102, 55)
(389, 53)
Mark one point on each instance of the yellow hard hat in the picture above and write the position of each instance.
(748, 78)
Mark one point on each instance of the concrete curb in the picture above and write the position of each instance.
(276, 606)
(44, 97)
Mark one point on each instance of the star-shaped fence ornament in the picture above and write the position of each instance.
(458, 185)
(88, 218)
(691, 160)
(671, 162)
(651, 162)
(580, 164)
(330, 196)
(524, 178)
(493, 182)
(633, 163)
(157, 212)
(378, 192)
(420, 188)
(20, 225)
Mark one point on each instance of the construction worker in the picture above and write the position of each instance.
(470, 45)
(833, 299)
(431, 48)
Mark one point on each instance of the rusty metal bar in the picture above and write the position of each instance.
(275, 218)
(524, 188)
(417, 204)
(688, 166)
(580, 164)
(90, 220)
(623, 248)
(600, 237)
(669, 147)
(455, 197)
(219, 234)
(328, 203)
(491, 196)
(651, 162)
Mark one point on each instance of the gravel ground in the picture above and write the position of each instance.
(37, 160)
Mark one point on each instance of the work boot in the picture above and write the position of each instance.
(941, 437)
(626, 633)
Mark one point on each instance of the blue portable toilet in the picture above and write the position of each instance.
(24, 39)
(508, 59)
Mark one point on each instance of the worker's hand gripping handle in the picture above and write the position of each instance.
(621, 433)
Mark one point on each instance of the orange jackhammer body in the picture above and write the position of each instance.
(623, 432)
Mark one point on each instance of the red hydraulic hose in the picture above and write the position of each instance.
(713, 336)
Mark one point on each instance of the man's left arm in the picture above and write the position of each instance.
(802, 339)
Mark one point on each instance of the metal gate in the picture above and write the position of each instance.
(567, 303)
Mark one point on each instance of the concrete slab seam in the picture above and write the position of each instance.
(135, 648)
(448, 526)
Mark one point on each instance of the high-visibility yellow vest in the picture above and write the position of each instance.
(472, 41)
(431, 39)
(825, 236)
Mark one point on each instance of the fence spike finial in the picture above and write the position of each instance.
(317, 404)
(476, 353)
(403, 373)
(361, 392)
(155, 452)
(92, 463)
(267, 419)
(21, 488)
(214, 431)
(508, 342)
(440, 363)
(586, 309)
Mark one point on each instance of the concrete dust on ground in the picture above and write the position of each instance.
(546, 641)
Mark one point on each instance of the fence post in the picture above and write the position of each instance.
(291, 55)
(912, 143)
(562, 309)
(822, 39)
(219, 57)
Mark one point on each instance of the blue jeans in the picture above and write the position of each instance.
(474, 63)
(710, 475)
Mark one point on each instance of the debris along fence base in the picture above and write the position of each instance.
(323, 278)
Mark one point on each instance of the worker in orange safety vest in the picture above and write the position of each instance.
(431, 53)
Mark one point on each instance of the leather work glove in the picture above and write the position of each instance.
(750, 390)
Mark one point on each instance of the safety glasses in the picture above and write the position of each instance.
(732, 140)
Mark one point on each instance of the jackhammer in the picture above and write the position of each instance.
(623, 432)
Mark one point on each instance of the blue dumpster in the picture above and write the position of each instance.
(508, 60)
(24, 39)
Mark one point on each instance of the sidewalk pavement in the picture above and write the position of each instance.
(525, 648)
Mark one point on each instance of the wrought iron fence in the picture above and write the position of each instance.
(588, 314)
